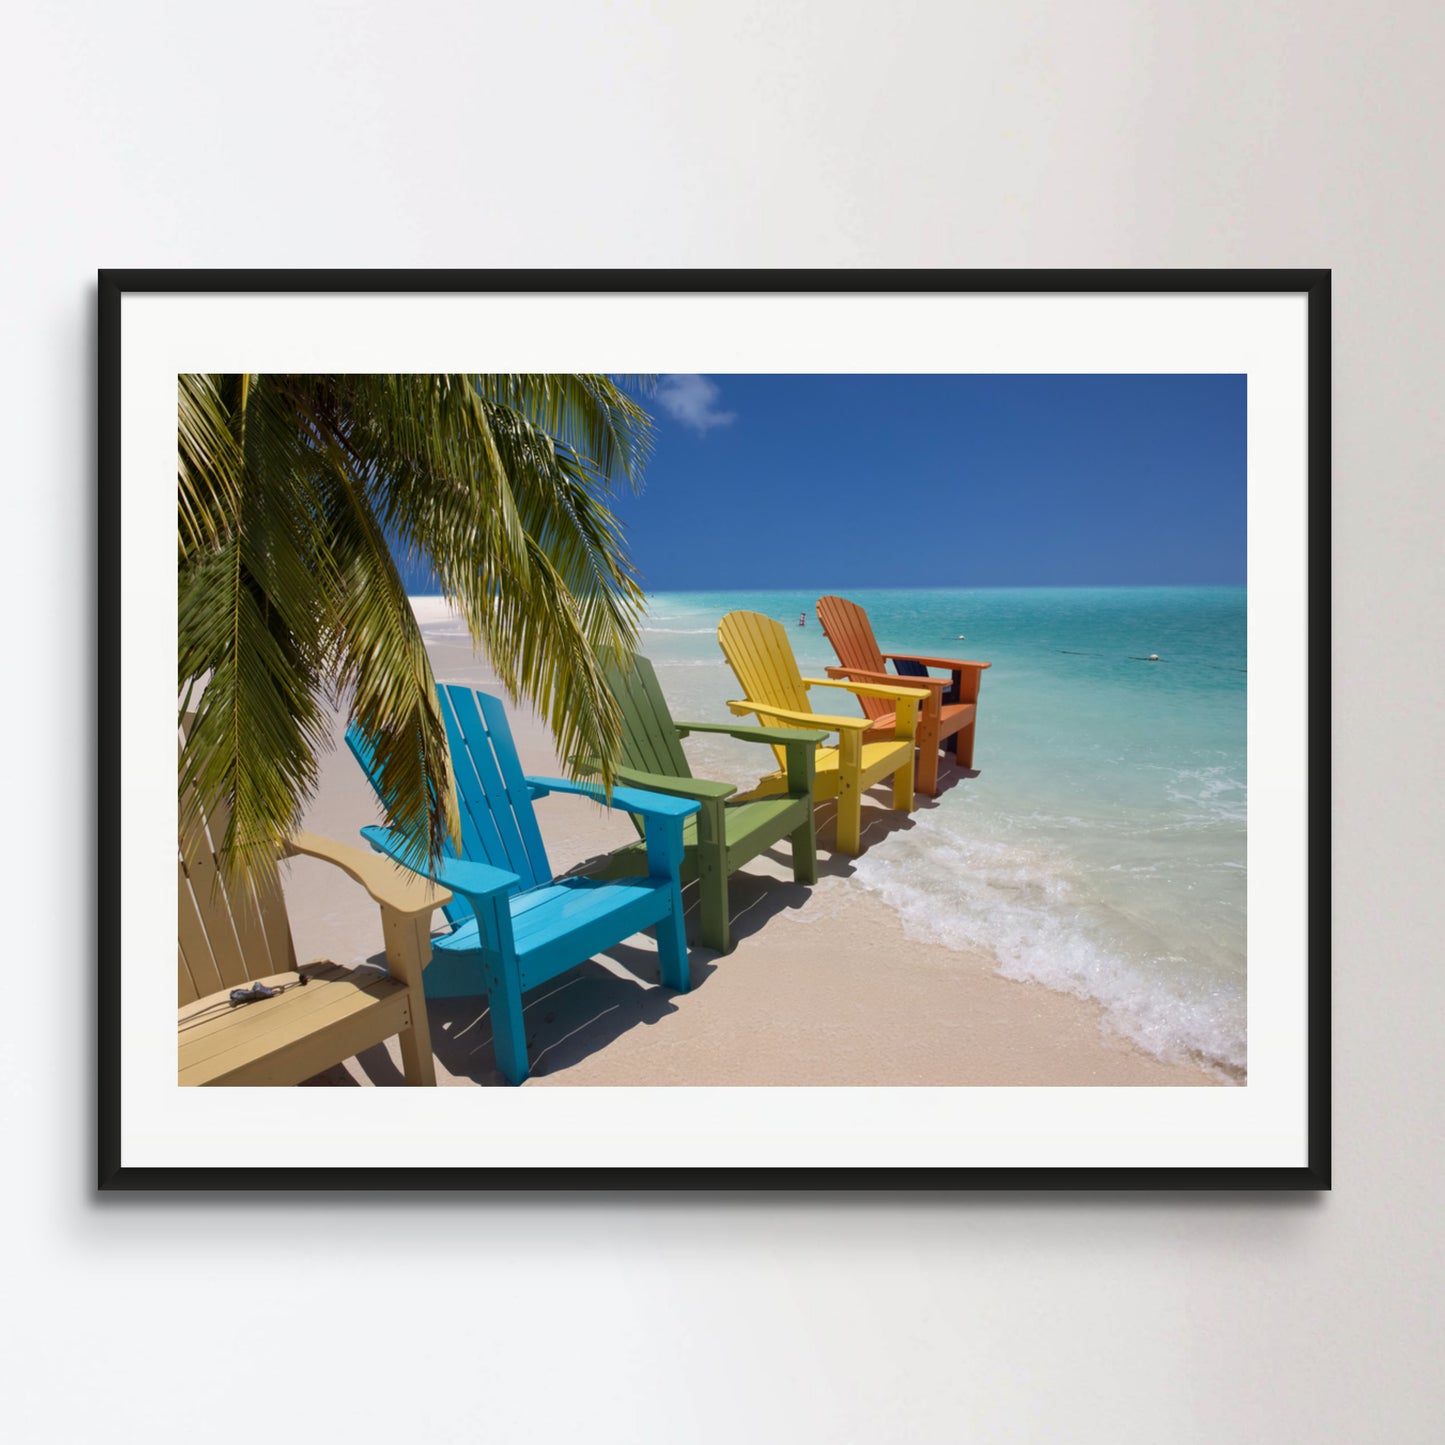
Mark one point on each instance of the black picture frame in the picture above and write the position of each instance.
(115, 1174)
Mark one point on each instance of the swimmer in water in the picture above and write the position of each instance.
(802, 619)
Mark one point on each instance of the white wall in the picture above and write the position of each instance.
(1037, 133)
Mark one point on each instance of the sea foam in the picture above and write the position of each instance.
(1043, 923)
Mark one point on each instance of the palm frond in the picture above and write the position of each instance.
(289, 489)
(380, 659)
(588, 414)
(249, 626)
(585, 592)
(208, 466)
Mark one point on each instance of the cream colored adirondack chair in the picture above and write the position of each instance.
(236, 937)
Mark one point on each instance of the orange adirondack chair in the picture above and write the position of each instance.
(847, 627)
(757, 650)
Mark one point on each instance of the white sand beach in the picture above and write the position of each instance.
(823, 987)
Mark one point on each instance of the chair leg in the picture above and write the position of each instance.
(664, 861)
(672, 946)
(927, 774)
(903, 786)
(509, 1033)
(710, 856)
(850, 794)
(712, 886)
(963, 744)
(804, 839)
(928, 752)
(408, 950)
(417, 1064)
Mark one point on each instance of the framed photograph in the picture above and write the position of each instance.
(871, 736)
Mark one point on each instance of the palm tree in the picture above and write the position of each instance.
(293, 493)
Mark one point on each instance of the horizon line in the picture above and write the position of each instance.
(941, 587)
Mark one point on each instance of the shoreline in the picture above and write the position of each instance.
(823, 987)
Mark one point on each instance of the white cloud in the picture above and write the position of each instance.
(692, 400)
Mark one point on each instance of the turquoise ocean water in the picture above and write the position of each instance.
(1101, 848)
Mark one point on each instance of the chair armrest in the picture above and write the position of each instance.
(779, 737)
(674, 787)
(951, 663)
(858, 674)
(407, 892)
(479, 880)
(699, 788)
(833, 724)
(628, 800)
(868, 689)
(662, 830)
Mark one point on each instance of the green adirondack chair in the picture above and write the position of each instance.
(724, 834)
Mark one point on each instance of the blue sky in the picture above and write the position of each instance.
(941, 481)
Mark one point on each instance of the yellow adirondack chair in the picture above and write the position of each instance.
(236, 937)
(757, 650)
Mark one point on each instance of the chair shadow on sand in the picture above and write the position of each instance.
(595, 1004)
(566, 1020)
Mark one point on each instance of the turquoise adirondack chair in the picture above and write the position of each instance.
(516, 925)
(726, 833)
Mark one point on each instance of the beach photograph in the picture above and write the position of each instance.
(713, 731)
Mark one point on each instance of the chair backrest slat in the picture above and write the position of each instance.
(847, 627)
(758, 651)
(490, 785)
(498, 823)
(649, 735)
(244, 905)
(200, 973)
(228, 932)
(185, 984)
(363, 749)
(482, 839)
(271, 902)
